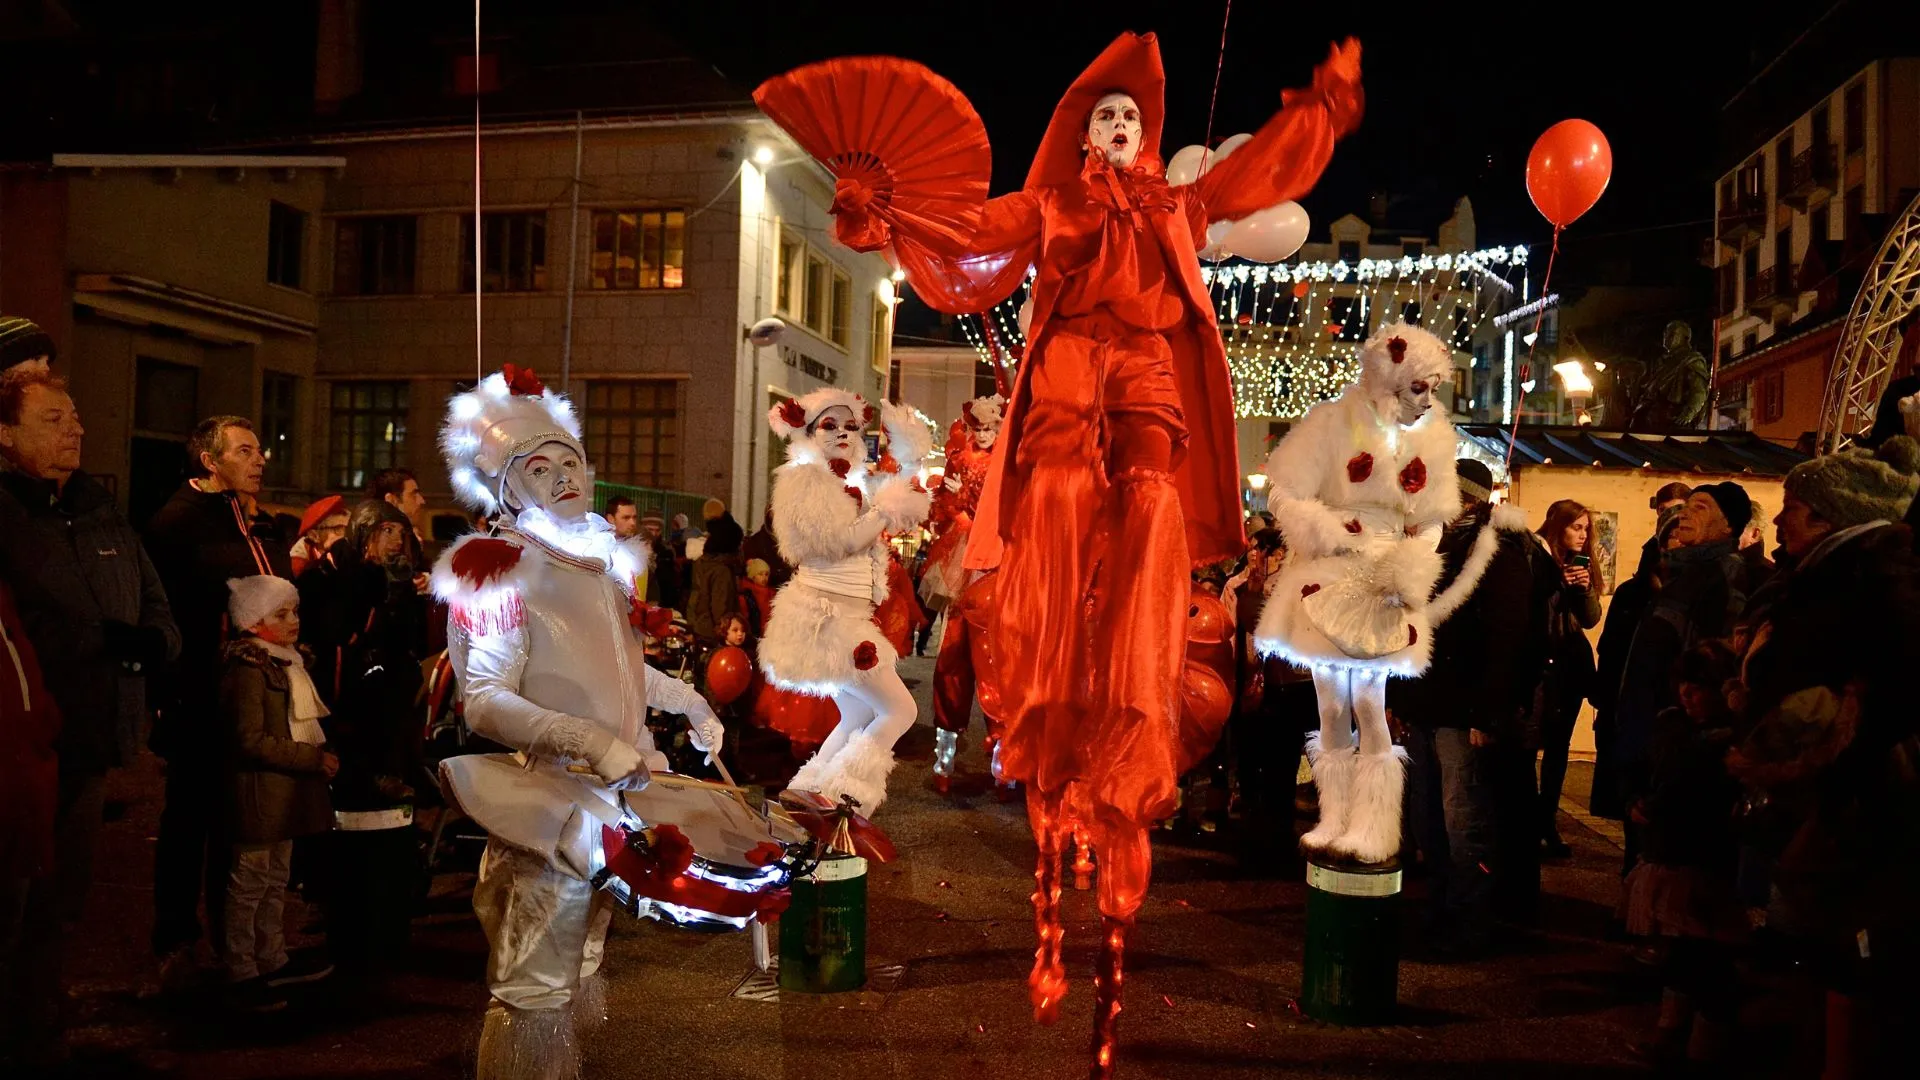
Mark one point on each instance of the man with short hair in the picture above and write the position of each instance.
(210, 530)
(624, 516)
(400, 488)
(94, 610)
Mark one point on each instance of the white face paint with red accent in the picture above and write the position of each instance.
(983, 437)
(1115, 129)
(553, 477)
(1415, 399)
(839, 435)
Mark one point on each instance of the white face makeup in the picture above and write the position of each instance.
(1415, 399)
(1115, 129)
(553, 477)
(983, 436)
(837, 435)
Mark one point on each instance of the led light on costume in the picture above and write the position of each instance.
(1362, 487)
(541, 640)
(830, 514)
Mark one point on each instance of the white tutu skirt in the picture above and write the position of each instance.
(817, 645)
(1343, 611)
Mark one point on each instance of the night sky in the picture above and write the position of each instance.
(1457, 92)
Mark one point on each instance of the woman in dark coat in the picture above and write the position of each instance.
(1572, 609)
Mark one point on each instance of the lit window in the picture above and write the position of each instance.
(638, 249)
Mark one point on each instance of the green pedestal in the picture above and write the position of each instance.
(1351, 975)
(823, 932)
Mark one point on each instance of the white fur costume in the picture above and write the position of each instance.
(1361, 499)
(550, 665)
(821, 640)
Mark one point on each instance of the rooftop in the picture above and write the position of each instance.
(1731, 453)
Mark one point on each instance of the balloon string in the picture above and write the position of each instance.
(1218, 67)
(993, 350)
(1527, 372)
(479, 265)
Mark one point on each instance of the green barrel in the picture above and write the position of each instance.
(823, 932)
(1351, 974)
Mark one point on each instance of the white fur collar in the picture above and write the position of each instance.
(1505, 517)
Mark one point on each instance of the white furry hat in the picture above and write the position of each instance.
(1398, 354)
(983, 412)
(508, 414)
(791, 417)
(254, 598)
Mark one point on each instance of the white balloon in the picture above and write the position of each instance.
(1269, 235)
(766, 332)
(1216, 239)
(1184, 166)
(1024, 317)
(1229, 145)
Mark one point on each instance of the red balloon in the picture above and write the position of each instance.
(1207, 619)
(729, 673)
(1205, 704)
(1568, 169)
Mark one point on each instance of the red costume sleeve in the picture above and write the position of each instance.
(1287, 155)
(974, 277)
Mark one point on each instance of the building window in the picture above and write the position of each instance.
(1855, 124)
(367, 432)
(1750, 266)
(840, 328)
(813, 304)
(1728, 294)
(1853, 207)
(286, 242)
(639, 249)
(515, 255)
(880, 345)
(788, 284)
(278, 393)
(984, 384)
(1783, 258)
(1349, 251)
(166, 397)
(1411, 249)
(633, 431)
(374, 256)
(1771, 390)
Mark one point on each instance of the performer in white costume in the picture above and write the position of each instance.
(1361, 489)
(829, 513)
(540, 636)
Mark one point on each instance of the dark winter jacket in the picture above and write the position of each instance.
(279, 791)
(29, 766)
(1702, 593)
(1847, 619)
(93, 607)
(1487, 656)
(1690, 798)
(1630, 601)
(199, 540)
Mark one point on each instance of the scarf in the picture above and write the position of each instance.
(303, 717)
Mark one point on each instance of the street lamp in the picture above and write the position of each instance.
(763, 156)
(1257, 482)
(1579, 387)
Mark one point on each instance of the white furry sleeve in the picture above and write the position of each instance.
(907, 438)
(1295, 472)
(900, 504)
(815, 520)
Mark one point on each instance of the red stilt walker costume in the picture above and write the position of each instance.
(1117, 472)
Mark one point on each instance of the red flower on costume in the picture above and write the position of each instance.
(522, 381)
(1353, 526)
(1359, 467)
(1397, 348)
(1413, 635)
(649, 620)
(865, 656)
(793, 414)
(1308, 590)
(859, 500)
(841, 467)
(1414, 477)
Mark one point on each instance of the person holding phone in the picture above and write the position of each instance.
(1573, 610)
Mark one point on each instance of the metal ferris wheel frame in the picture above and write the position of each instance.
(1870, 340)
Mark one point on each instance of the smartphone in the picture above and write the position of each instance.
(1579, 559)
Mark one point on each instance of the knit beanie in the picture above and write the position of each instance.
(1476, 480)
(21, 341)
(254, 598)
(1857, 486)
(1734, 502)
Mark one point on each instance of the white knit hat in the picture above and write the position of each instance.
(508, 414)
(254, 598)
(1399, 354)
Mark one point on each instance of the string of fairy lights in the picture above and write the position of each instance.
(1293, 330)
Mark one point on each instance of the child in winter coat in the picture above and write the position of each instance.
(280, 768)
(1682, 892)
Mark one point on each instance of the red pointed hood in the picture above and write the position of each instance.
(1130, 65)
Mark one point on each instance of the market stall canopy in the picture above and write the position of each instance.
(1734, 453)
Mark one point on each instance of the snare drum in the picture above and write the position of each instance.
(723, 830)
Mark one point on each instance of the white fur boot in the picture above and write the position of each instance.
(1373, 819)
(812, 775)
(528, 1044)
(860, 769)
(1332, 779)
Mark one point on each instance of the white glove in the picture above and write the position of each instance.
(706, 734)
(622, 767)
(952, 483)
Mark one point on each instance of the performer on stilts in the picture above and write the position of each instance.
(541, 636)
(830, 515)
(1118, 470)
(1361, 488)
(947, 580)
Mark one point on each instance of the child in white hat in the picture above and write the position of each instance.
(281, 767)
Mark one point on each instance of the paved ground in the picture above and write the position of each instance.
(1214, 968)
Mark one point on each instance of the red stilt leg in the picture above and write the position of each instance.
(1106, 1005)
(1047, 984)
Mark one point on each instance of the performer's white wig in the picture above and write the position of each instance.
(794, 417)
(1399, 354)
(984, 412)
(490, 425)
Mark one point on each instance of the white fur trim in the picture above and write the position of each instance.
(811, 406)
(860, 769)
(1373, 816)
(811, 645)
(488, 426)
(495, 605)
(909, 440)
(900, 503)
(1333, 780)
(1423, 356)
(812, 511)
(1505, 518)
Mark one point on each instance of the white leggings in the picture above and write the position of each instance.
(881, 706)
(1347, 695)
